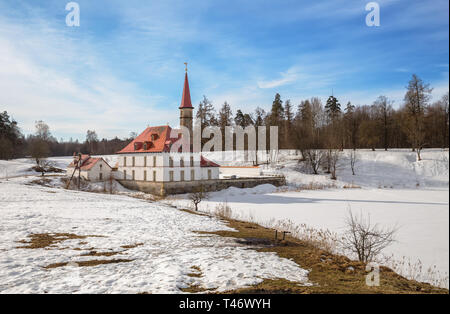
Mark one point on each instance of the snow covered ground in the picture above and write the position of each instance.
(393, 188)
(169, 249)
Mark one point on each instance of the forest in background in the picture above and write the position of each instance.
(309, 125)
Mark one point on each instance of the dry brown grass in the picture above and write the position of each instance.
(196, 289)
(45, 240)
(95, 253)
(351, 186)
(131, 246)
(197, 272)
(89, 263)
(329, 273)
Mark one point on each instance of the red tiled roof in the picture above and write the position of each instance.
(207, 163)
(87, 162)
(152, 140)
(186, 98)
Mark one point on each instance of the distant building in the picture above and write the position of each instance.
(92, 168)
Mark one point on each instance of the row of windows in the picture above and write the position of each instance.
(171, 175)
(133, 161)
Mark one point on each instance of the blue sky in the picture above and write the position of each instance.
(122, 69)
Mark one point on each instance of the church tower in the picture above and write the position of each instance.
(186, 109)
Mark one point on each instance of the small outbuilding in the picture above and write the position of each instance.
(91, 168)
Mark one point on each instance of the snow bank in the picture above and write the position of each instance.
(170, 246)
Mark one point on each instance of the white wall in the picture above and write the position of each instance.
(240, 171)
(93, 174)
(163, 167)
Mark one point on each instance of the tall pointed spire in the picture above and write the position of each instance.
(186, 98)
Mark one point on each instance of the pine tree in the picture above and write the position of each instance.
(288, 121)
(332, 108)
(351, 127)
(206, 113)
(276, 117)
(225, 116)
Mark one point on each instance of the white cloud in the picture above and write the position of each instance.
(46, 75)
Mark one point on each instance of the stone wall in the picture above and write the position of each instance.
(180, 187)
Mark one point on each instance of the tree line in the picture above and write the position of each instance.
(415, 124)
(310, 126)
(42, 144)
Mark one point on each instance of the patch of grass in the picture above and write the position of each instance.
(197, 272)
(89, 263)
(351, 186)
(329, 273)
(196, 289)
(42, 181)
(45, 240)
(95, 253)
(131, 246)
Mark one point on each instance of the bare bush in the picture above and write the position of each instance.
(198, 195)
(323, 239)
(353, 160)
(314, 158)
(334, 156)
(223, 210)
(365, 239)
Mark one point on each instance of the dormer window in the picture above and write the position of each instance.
(137, 145)
(154, 137)
(147, 145)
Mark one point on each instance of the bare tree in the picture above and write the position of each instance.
(333, 158)
(365, 239)
(416, 101)
(314, 159)
(198, 195)
(39, 152)
(353, 160)
(383, 106)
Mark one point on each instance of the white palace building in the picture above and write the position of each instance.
(147, 164)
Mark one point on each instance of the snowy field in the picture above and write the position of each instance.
(167, 248)
(392, 187)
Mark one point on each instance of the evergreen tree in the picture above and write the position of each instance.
(288, 121)
(332, 108)
(225, 116)
(206, 113)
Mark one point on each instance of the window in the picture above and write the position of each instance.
(132, 174)
(124, 174)
(100, 176)
(133, 160)
(154, 161)
(181, 162)
(209, 174)
(170, 176)
(192, 161)
(145, 161)
(182, 175)
(154, 176)
(101, 167)
(170, 162)
(124, 161)
(145, 175)
(192, 175)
